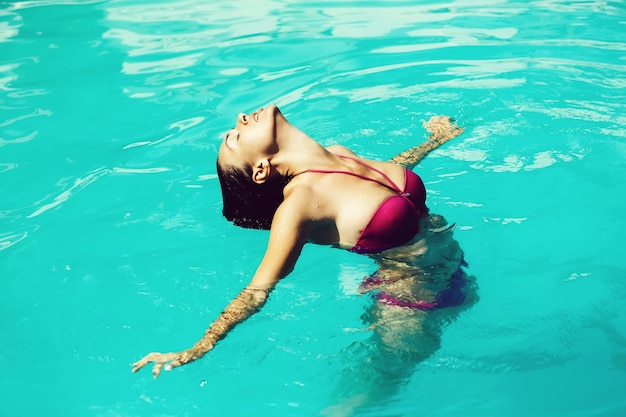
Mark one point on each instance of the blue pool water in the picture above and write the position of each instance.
(112, 242)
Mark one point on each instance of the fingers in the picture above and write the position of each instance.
(442, 128)
(159, 359)
(163, 359)
(172, 365)
(157, 369)
(144, 361)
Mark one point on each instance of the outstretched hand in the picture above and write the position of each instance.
(242, 307)
(169, 360)
(441, 128)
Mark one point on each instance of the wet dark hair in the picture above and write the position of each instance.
(246, 203)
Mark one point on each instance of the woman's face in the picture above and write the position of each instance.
(253, 137)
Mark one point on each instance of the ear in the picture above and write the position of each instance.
(261, 171)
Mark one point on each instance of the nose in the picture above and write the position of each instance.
(242, 118)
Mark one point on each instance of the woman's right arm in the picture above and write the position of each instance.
(248, 302)
(287, 237)
(441, 129)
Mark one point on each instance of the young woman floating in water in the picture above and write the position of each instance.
(273, 176)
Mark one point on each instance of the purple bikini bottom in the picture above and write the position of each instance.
(452, 296)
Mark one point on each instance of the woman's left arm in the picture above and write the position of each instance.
(287, 237)
(441, 128)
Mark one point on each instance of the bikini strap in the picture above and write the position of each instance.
(392, 185)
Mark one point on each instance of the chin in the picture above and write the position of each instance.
(277, 114)
(273, 108)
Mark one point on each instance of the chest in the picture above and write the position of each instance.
(339, 217)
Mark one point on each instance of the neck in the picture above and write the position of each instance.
(298, 152)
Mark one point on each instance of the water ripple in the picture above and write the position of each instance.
(82, 183)
(79, 184)
(8, 30)
(7, 166)
(141, 44)
(187, 123)
(18, 5)
(10, 240)
(168, 64)
(149, 142)
(35, 113)
(155, 170)
(21, 139)
(6, 80)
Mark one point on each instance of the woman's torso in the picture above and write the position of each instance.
(418, 265)
(363, 205)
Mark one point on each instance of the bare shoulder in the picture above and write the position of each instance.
(341, 150)
(295, 208)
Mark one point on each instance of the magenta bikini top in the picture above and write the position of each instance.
(397, 219)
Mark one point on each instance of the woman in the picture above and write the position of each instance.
(274, 176)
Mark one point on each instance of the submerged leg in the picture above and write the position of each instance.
(401, 337)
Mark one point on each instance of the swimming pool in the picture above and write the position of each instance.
(112, 243)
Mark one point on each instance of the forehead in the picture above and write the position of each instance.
(226, 157)
(222, 157)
